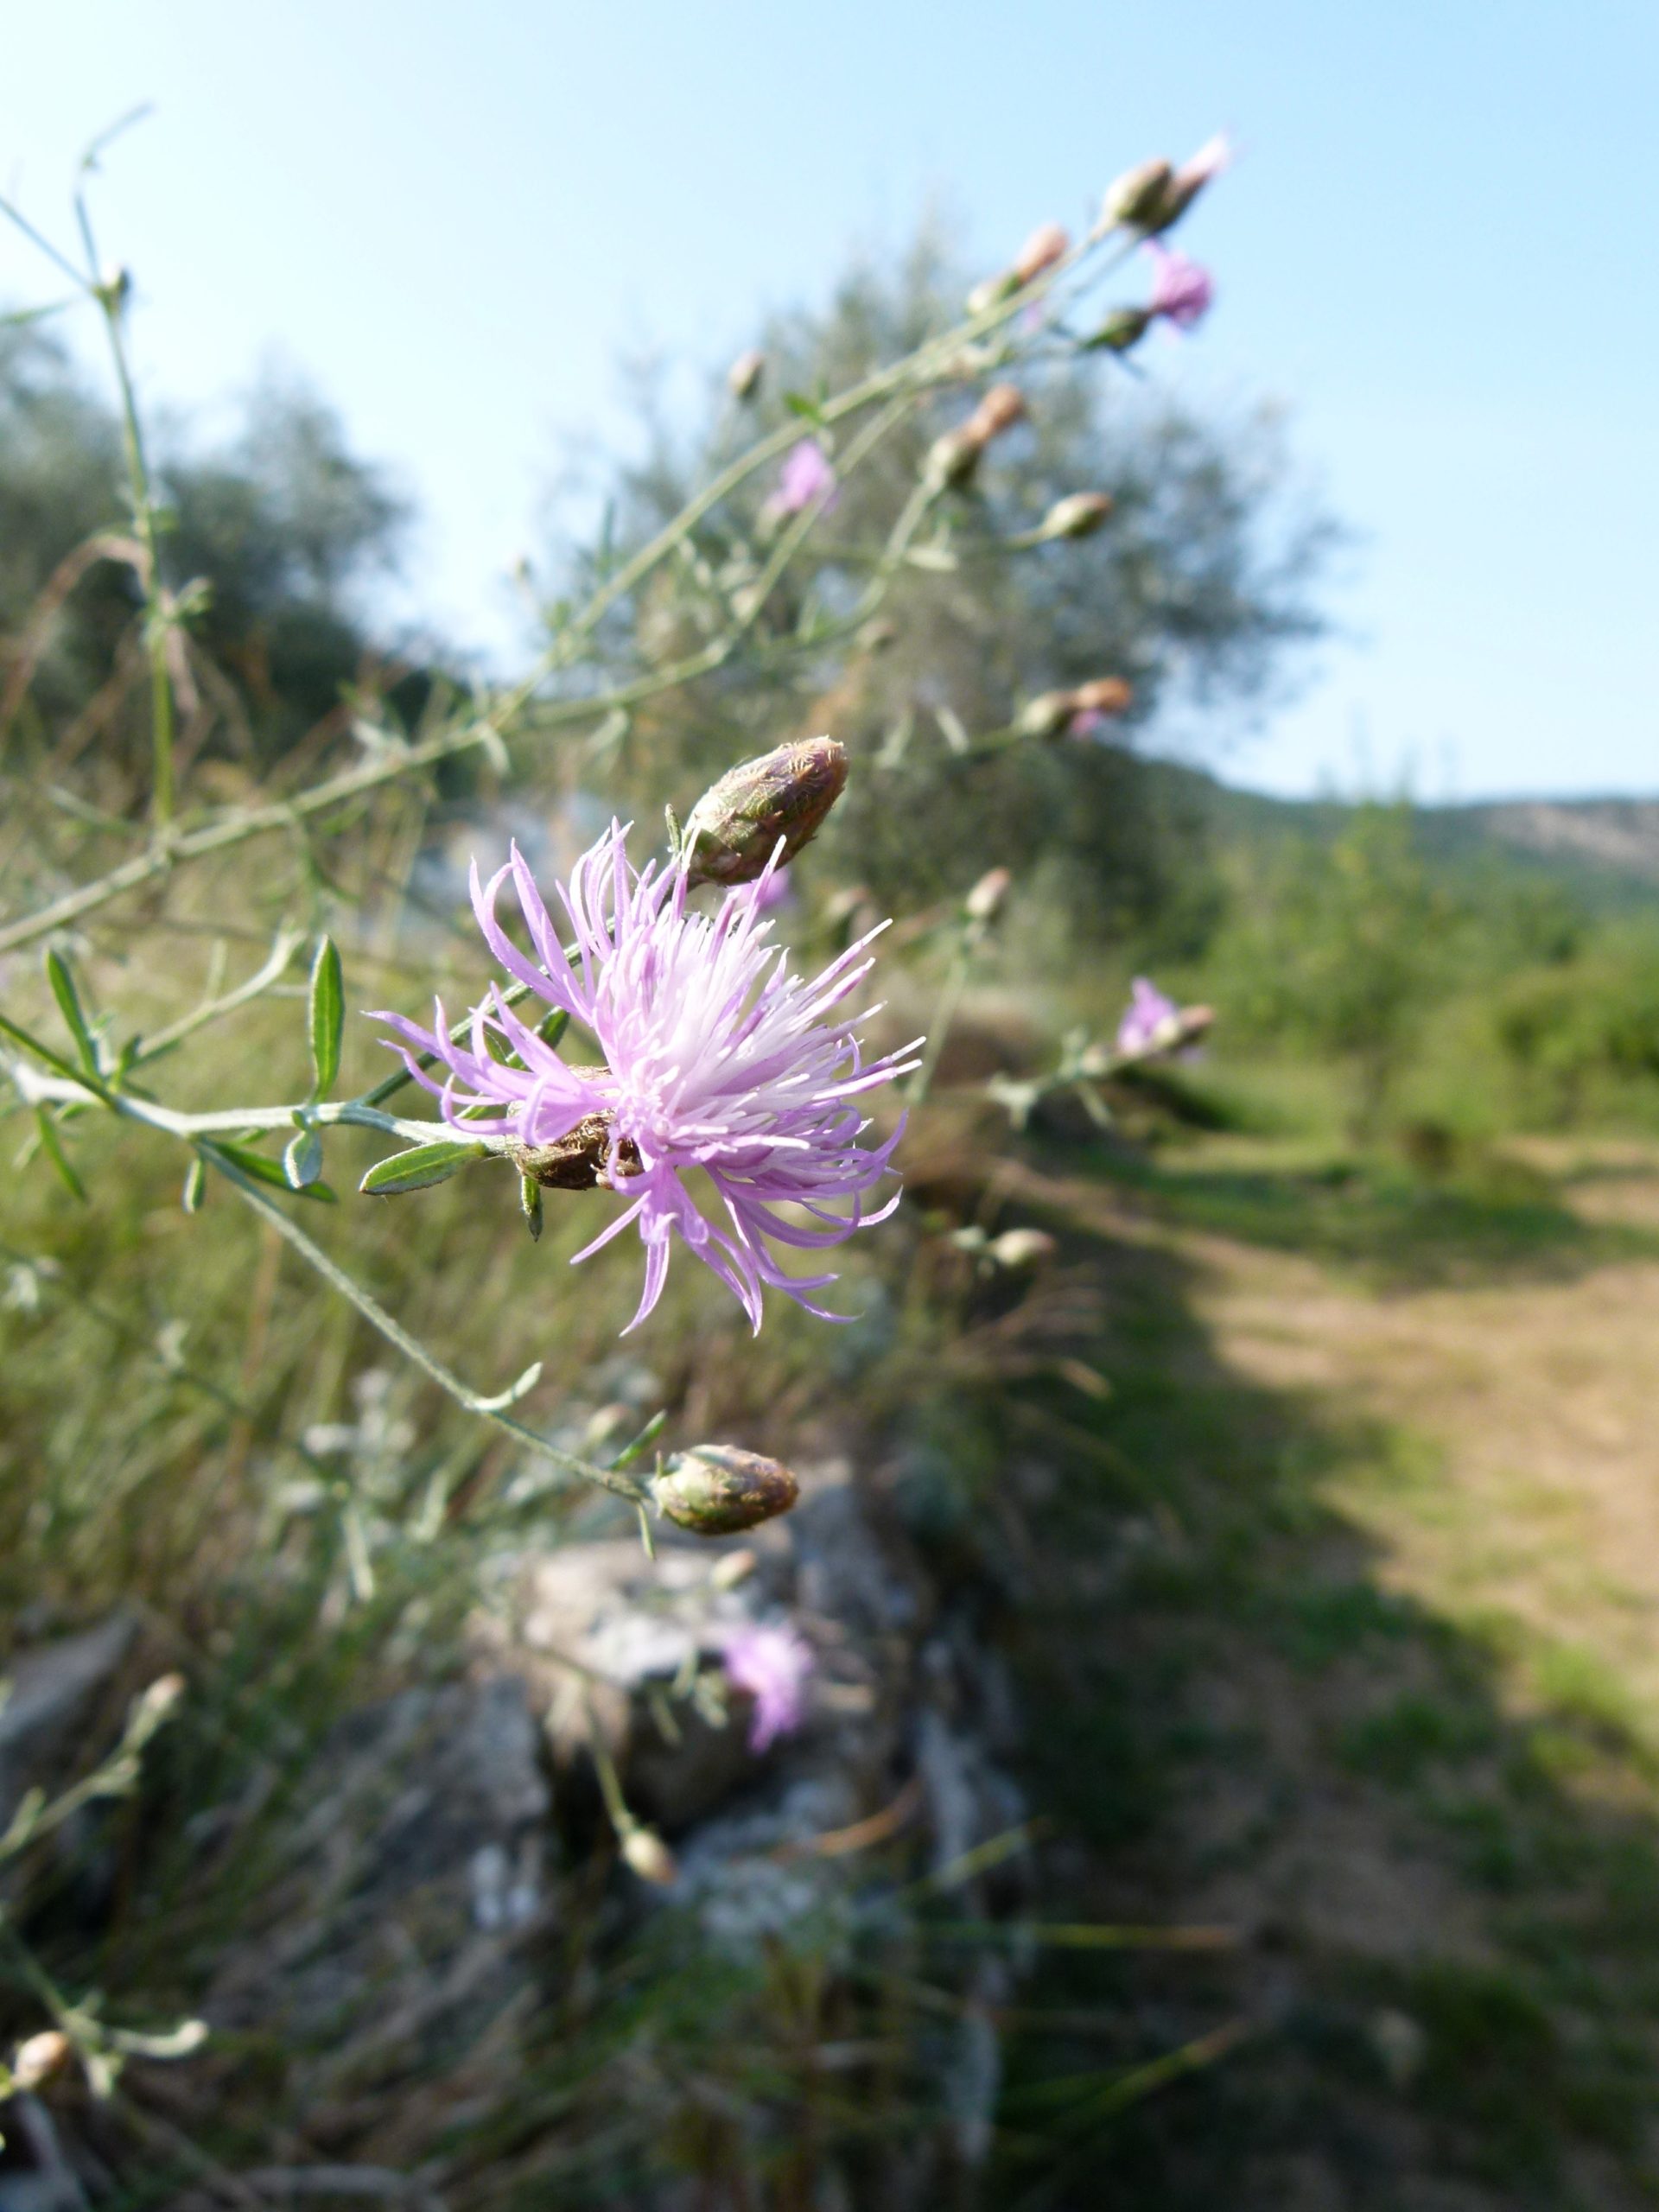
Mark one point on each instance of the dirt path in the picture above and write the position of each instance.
(1350, 1645)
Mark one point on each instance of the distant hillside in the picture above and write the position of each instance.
(1606, 850)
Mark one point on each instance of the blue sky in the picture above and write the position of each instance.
(1436, 250)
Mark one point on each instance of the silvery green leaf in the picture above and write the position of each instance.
(303, 1161)
(52, 1143)
(328, 1015)
(419, 1168)
(260, 1169)
(68, 999)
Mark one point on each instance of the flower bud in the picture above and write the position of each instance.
(1047, 714)
(1021, 1248)
(1079, 515)
(990, 289)
(1003, 405)
(953, 457)
(717, 1489)
(743, 377)
(1138, 198)
(1106, 694)
(986, 896)
(39, 2057)
(1123, 328)
(648, 1855)
(1046, 244)
(734, 828)
(1191, 178)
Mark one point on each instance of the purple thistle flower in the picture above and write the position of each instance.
(1182, 289)
(771, 1664)
(716, 1057)
(805, 475)
(1148, 1011)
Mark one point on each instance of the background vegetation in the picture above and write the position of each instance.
(1187, 1557)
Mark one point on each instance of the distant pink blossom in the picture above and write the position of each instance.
(1148, 1011)
(805, 476)
(716, 1057)
(1182, 289)
(771, 1664)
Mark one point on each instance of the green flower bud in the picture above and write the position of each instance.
(1139, 198)
(734, 828)
(650, 1858)
(743, 377)
(717, 1489)
(953, 457)
(1079, 516)
(1124, 327)
(1047, 714)
(984, 902)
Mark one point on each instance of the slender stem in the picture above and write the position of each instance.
(956, 982)
(412, 1349)
(110, 295)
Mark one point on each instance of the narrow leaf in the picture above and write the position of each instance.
(69, 1006)
(53, 1144)
(530, 1199)
(418, 1168)
(195, 1185)
(303, 1161)
(53, 1060)
(328, 1015)
(262, 1170)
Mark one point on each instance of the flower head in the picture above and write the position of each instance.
(805, 476)
(1182, 289)
(1150, 1013)
(714, 1057)
(771, 1664)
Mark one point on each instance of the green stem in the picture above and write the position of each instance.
(412, 1348)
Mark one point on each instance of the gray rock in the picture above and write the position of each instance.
(63, 1708)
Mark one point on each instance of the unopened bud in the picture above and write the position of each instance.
(743, 377)
(1079, 515)
(1138, 197)
(1047, 714)
(986, 896)
(39, 2057)
(953, 457)
(718, 1489)
(990, 289)
(1106, 694)
(1191, 178)
(1021, 1248)
(648, 1855)
(735, 828)
(155, 1704)
(1122, 329)
(1003, 405)
(1046, 245)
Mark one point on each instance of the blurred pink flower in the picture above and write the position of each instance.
(806, 475)
(1182, 289)
(772, 1665)
(1148, 1011)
